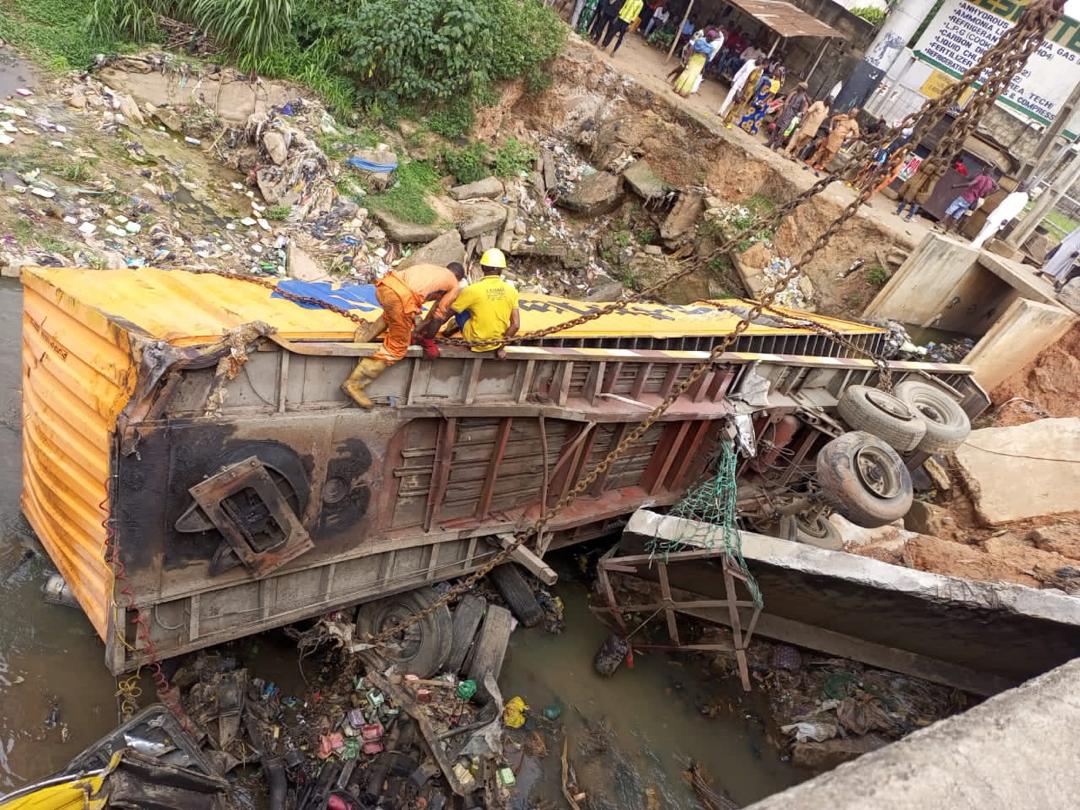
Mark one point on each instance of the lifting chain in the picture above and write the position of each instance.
(1000, 63)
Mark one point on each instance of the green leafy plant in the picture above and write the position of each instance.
(278, 212)
(76, 172)
(134, 19)
(646, 236)
(250, 28)
(469, 164)
(513, 158)
(876, 275)
(871, 14)
(452, 120)
(406, 199)
(622, 238)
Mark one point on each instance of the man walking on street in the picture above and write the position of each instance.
(810, 123)
(982, 186)
(627, 14)
(843, 128)
(605, 16)
(402, 294)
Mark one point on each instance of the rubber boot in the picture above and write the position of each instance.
(365, 372)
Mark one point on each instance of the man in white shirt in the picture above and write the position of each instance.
(659, 19)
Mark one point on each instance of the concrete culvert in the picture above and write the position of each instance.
(864, 479)
(883, 415)
(947, 426)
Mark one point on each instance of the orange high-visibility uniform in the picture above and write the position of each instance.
(402, 294)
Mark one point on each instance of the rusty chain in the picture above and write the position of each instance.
(1001, 62)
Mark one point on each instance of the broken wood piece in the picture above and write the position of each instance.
(570, 790)
(529, 560)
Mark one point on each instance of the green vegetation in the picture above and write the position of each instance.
(513, 158)
(452, 120)
(77, 172)
(1060, 222)
(871, 14)
(405, 200)
(53, 31)
(622, 238)
(876, 275)
(646, 236)
(468, 164)
(278, 212)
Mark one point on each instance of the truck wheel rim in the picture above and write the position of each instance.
(877, 472)
(407, 642)
(890, 405)
(930, 411)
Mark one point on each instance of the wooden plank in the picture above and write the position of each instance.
(736, 628)
(564, 383)
(669, 612)
(283, 381)
(596, 382)
(618, 431)
(528, 560)
(644, 369)
(440, 470)
(472, 380)
(193, 619)
(521, 392)
(667, 452)
(669, 380)
(414, 377)
(694, 448)
(491, 475)
(611, 378)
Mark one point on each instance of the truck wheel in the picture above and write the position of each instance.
(864, 479)
(814, 530)
(420, 649)
(519, 597)
(883, 415)
(946, 423)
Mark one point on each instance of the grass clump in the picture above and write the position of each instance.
(278, 213)
(406, 199)
(877, 275)
(513, 158)
(468, 164)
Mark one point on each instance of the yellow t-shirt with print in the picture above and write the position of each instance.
(489, 303)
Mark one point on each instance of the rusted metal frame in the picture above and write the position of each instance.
(669, 611)
(565, 376)
(440, 470)
(694, 448)
(644, 369)
(720, 383)
(612, 377)
(195, 611)
(502, 436)
(799, 457)
(471, 381)
(617, 432)
(433, 561)
(677, 606)
(545, 480)
(663, 456)
(669, 380)
(718, 647)
(736, 625)
(283, 381)
(697, 391)
(566, 467)
(595, 382)
(609, 592)
(523, 379)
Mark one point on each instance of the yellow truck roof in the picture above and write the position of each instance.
(191, 308)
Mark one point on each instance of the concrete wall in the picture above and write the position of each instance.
(1017, 338)
(1016, 750)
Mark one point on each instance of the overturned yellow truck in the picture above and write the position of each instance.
(196, 474)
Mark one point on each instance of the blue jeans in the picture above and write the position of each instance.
(957, 208)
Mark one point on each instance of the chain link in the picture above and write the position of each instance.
(1000, 63)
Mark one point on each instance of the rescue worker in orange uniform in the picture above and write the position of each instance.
(402, 295)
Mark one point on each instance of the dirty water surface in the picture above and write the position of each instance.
(633, 735)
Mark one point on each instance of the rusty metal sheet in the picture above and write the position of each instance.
(787, 20)
(77, 376)
(186, 308)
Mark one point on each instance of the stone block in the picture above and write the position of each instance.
(482, 219)
(489, 187)
(596, 195)
(643, 181)
(445, 248)
(405, 232)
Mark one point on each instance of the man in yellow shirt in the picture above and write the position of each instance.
(491, 306)
(627, 14)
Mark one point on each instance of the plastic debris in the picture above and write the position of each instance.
(514, 712)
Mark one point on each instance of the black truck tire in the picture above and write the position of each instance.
(424, 646)
(489, 651)
(511, 584)
(947, 426)
(814, 530)
(467, 617)
(885, 416)
(864, 479)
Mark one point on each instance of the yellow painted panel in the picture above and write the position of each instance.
(190, 308)
(78, 793)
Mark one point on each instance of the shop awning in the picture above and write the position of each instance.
(785, 19)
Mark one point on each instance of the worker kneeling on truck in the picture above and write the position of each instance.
(402, 295)
(487, 310)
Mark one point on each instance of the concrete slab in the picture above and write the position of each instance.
(1023, 471)
(1021, 277)
(979, 636)
(1016, 338)
(1017, 749)
(920, 289)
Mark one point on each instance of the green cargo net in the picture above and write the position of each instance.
(713, 503)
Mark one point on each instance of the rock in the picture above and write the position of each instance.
(654, 250)
(300, 265)
(11, 264)
(1030, 470)
(167, 117)
(605, 288)
(806, 287)
(77, 100)
(275, 145)
(405, 232)
(482, 219)
(681, 222)
(445, 248)
(823, 756)
(489, 187)
(757, 256)
(1069, 295)
(520, 228)
(928, 518)
(130, 110)
(648, 270)
(597, 194)
(640, 177)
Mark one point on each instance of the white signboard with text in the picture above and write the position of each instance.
(962, 31)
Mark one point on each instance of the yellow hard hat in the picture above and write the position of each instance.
(493, 257)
